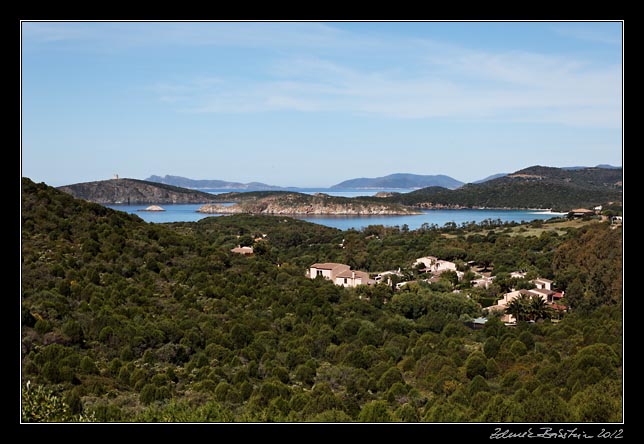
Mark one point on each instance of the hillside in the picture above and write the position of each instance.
(283, 202)
(534, 187)
(185, 182)
(402, 181)
(134, 191)
(126, 321)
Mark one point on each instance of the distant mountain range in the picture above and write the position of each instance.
(184, 182)
(603, 165)
(401, 181)
(395, 181)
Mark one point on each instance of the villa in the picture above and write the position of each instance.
(244, 251)
(434, 265)
(543, 289)
(339, 274)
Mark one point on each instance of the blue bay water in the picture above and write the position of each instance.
(188, 213)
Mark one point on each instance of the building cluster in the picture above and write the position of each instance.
(543, 289)
(343, 275)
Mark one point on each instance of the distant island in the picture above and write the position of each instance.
(291, 203)
(134, 191)
(401, 181)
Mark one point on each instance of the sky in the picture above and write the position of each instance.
(310, 104)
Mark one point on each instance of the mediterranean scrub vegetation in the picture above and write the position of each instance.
(124, 320)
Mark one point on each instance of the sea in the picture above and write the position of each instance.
(188, 213)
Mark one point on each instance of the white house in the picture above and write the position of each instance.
(543, 284)
(505, 300)
(427, 261)
(339, 274)
(435, 265)
(351, 278)
(442, 265)
(483, 282)
(544, 294)
(327, 270)
(387, 274)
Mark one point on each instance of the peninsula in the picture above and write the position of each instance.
(134, 191)
(291, 203)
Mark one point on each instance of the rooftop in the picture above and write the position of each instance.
(350, 273)
(328, 266)
(542, 291)
(242, 250)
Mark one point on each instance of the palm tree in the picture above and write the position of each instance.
(538, 308)
(519, 307)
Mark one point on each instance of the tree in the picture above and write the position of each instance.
(598, 403)
(502, 409)
(575, 294)
(449, 276)
(389, 378)
(491, 347)
(538, 309)
(375, 411)
(476, 364)
(519, 307)
(518, 348)
(333, 415)
(527, 338)
(39, 404)
(245, 240)
(546, 406)
(407, 413)
(478, 384)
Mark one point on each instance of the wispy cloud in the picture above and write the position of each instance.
(590, 35)
(469, 85)
(320, 67)
(122, 36)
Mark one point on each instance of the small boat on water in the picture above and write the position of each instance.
(152, 208)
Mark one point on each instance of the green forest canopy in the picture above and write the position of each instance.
(124, 320)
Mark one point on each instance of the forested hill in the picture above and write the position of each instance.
(123, 320)
(534, 187)
(134, 191)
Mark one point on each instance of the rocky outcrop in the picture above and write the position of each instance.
(153, 208)
(302, 204)
(384, 194)
(133, 191)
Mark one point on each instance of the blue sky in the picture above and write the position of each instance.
(314, 103)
